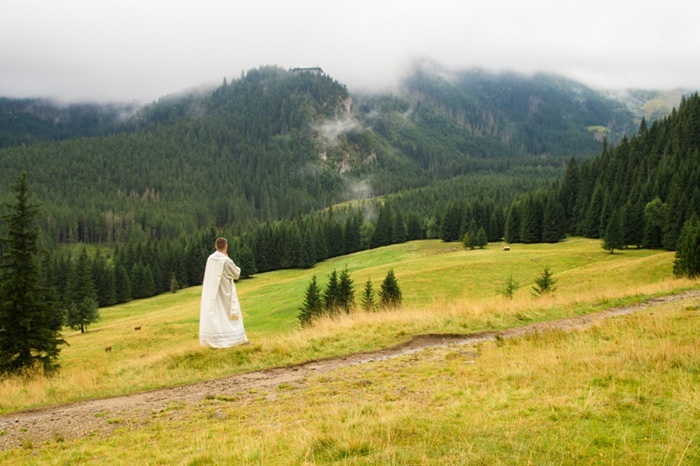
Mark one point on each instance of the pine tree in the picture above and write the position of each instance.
(414, 227)
(687, 261)
(496, 225)
(531, 219)
(331, 294)
(246, 261)
(468, 240)
(313, 304)
(398, 231)
(174, 285)
(544, 283)
(104, 279)
(149, 286)
(123, 283)
(137, 285)
(654, 221)
(29, 323)
(81, 297)
(383, 230)
(513, 221)
(633, 223)
(481, 238)
(591, 224)
(368, 303)
(390, 293)
(510, 287)
(614, 236)
(321, 243)
(553, 222)
(451, 221)
(569, 191)
(351, 232)
(346, 292)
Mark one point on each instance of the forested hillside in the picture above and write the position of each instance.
(244, 153)
(274, 143)
(29, 121)
(262, 159)
(538, 114)
(646, 187)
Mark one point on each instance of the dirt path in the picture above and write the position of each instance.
(104, 415)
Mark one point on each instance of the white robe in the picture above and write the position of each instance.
(220, 320)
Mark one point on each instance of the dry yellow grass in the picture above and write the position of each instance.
(622, 392)
(446, 289)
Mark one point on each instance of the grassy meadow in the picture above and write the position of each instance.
(446, 289)
(624, 392)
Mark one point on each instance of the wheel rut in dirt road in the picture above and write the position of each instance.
(98, 416)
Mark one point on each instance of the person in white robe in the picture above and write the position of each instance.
(221, 321)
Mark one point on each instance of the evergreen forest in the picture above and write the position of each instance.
(293, 169)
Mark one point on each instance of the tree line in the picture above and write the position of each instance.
(641, 192)
(338, 296)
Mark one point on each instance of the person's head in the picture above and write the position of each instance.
(221, 244)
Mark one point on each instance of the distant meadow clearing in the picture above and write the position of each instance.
(446, 289)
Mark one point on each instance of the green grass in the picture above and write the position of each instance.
(446, 289)
(623, 392)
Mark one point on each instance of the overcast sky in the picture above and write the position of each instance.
(126, 50)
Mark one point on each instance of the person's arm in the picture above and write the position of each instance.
(231, 271)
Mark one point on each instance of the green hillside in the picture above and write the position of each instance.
(446, 289)
(273, 143)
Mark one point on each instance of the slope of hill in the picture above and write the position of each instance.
(30, 121)
(275, 142)
(446, 289)
(249, 154)
(538, 114)
(449, 292)
(649, 104)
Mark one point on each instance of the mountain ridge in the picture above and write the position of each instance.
(273, 144)
(43, 119)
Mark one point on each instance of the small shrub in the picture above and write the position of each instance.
(544, 283)
(510, 287)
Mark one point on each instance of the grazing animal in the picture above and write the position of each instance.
(137, 328)
(506, 248)
(108, 349)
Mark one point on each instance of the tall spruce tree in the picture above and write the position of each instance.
(614, 236)
(633, 223)
(513, 222)
(687, 261)
(481, 238)
(451, 221)
(390, 294)
(123, 283)
(331, 294)
(654, 219)
(368, 303)
(383, 231)
(29, 327)
(346, 292)
(553, 221)
(313, 304)
(105, 281)
(81, 297)
(246, 261)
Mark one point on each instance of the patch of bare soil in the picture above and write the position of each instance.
(101, 416)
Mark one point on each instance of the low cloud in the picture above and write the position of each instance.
(359, 189)
(331, 131)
